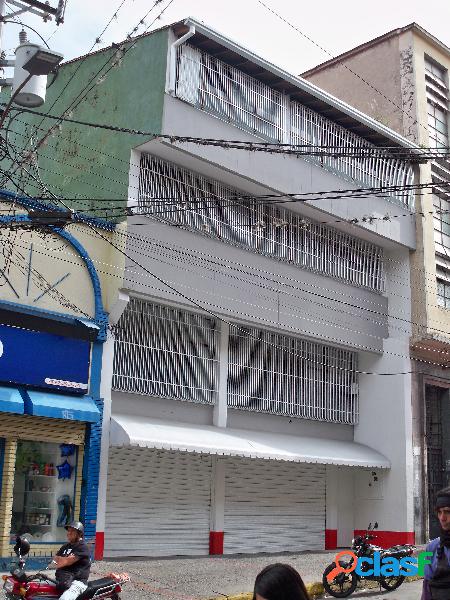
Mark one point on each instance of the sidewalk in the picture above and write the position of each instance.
(208, 577)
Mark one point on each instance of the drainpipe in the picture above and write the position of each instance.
(173, 57)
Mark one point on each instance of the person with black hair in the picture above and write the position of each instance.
(436, 583)
(279, 582)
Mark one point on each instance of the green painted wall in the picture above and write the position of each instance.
(85, 165)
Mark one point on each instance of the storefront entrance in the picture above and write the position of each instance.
(44, 490)
(437, 432)
(41, 480)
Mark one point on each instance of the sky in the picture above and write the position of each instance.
(336, 26)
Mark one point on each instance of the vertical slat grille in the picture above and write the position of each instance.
(162, 351)
(309, 129)
(272, 373)
(220, 89)
(174, 195)
(216, 87)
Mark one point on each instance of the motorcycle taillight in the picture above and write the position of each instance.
(117, 589)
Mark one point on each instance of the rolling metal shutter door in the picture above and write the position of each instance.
(158, 503)
(273, 506)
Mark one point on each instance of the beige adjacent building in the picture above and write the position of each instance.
(402, 79)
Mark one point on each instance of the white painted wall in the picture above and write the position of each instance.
(385, 422)
(282, 173)
(251, 288)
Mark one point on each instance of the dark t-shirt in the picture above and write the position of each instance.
(79, 570)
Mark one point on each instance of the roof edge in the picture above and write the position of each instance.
(304, 85)
(381, 38)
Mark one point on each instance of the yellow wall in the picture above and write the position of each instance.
(435, 320)
(25, 427)
(54, 258)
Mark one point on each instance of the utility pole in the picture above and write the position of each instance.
(2, 25)
(36, 7)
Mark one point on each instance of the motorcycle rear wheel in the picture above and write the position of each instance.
(391, 583)
(342, 585)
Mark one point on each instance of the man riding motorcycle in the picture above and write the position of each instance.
(73, 564)
(436, 583)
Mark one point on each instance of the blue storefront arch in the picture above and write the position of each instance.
(101, 317)
(91, 467)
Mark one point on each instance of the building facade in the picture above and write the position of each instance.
(403, 82)
(260, 379)
(54, 324)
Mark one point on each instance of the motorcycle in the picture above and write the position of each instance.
(20, 586)
(346, 581)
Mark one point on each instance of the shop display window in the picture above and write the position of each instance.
(44, 490)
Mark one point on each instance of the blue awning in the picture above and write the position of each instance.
(60, 406)
(11, 400)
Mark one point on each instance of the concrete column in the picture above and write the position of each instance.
(220, 408)
(331, 521)
(6, 500)
(105, 394)
(217, 506)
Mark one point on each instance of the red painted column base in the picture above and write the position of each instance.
(330, 539)
(216, 542)
(386, 539)
(99, 545)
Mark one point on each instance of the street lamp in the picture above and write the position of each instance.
(42, 62)
(33, 62)
(32, 65)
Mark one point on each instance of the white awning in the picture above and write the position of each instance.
(131, 430)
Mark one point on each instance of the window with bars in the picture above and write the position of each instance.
(175, 195)
(437, 103)
(165, 352)
(216, 87)
(443, 293)
(441, 220)
(169, 353)
(276, 374)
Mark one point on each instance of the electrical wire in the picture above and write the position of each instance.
(370, 218)
(388, 189)
(85, 90)
(97, 40)
(384, 152)
(204, 308)
(297, 29)
(298, 331)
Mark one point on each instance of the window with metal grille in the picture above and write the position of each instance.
(437, 103)
(276, 374)
(443, 288)
(162, 351)
(218, 88)
(441, 220)
(174, 195)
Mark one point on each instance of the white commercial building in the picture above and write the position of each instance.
(261, 379)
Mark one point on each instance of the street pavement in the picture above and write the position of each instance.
(407, 591)
(208, 577)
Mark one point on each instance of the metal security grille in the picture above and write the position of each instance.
(158, 503)
(162, 351)
(273, 506)
(218, 88)
(438, 109)
(223, 90)
(276, 374)
(308, 128)
(435, 460)
(175, 195)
